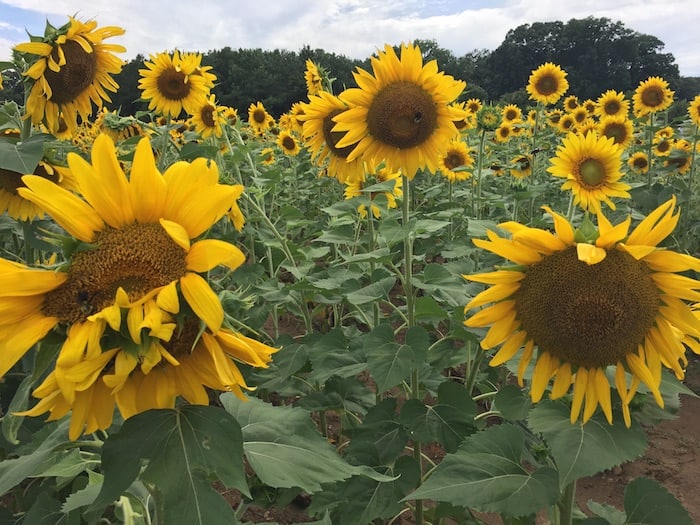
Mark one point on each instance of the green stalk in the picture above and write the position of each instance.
(566, 505)
(479, 167)
(371, 246)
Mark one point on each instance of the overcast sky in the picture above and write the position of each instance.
(355, 28)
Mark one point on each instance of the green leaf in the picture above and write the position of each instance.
(390, 364)
(648, 503)
(181, 449)
(607, 513)
(82, 498)
(331, 355)
(513, 403)
(372, 292)
(428, 309)
(284, 449)
(13, 471)
(487, 474)
(451, 419)
(22, 157)
(380, 439)
(583, 450)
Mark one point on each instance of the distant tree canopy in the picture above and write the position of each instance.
(597, 54)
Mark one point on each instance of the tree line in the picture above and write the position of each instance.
(597, 53)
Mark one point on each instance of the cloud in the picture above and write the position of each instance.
(357, 28)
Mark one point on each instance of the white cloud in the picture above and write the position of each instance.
(357, 28)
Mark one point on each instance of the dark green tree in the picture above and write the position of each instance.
(597, 53)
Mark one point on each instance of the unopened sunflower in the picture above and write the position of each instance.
(401, 114)
(614, 302)
(72, 70)
(591, 166)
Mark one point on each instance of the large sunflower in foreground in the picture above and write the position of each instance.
(591, 166)
(651, 95)
(175, 83)
(615, 301)
(73, 70)
(136, 235)
(547, 83)
(402, 113)
(321, 140)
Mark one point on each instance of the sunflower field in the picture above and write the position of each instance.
(397, 303)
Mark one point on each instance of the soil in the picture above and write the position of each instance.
(672, 458)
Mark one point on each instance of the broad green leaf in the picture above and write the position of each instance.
(346, 394)
(487, 474)
(182, 450)
(22, 157)
(380, 439)
(428, 309)
(390, 364)
(67, 464)
(430, 226)
(648, 503)
(284, 450)
(82, 498)
(583, 450)
(448, 421)
(512, 402)
(13, 471)
(372, 292)
(608, 514)
(331, 355)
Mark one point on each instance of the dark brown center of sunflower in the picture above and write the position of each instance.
(11, 180)
(454, 159)
(288, 143)
(74, 76)
(136, 257)
(173, 84)
(402, 115)
(590, 316)
(333, 137)
(612, 107)
(640, 163)
(183, 340)
(259, 116)
(511, 114)
(652, 96)
(663, 146)
(207, 114)
(546, 85)
(591, 173)
(616, 131)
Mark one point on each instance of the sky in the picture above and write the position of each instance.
(354, 28)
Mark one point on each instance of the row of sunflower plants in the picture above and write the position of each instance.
(394, 302)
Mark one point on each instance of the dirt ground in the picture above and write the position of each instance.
(672, 458)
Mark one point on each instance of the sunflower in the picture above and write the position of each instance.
(612, 104)
(175, 83)
(639, 163)
(662, 146)
(402, 114)
(566, 123)
(473, 105)
(590, 106)
(116, 126)
(209, 118)
(591, 166)
(694, 110)
(651, 95)
(259, 119)
(455, 161)
(321, 140)
(579, 114)
(267, 156)
(620, 129)
(20, 208)
(547, 83)
(313, 78)
(503, 132)
(467, 121)
(511, 113)
(613, 302)
(680, 157)
(488, 118)
(570, 103)
(554, 116)
(288, 143)
(231, 115)
(72, 71)
(380, 174)
(522, 166)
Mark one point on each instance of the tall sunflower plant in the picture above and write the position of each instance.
(391, 300)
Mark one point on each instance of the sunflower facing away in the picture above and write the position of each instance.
(402, 113)
(591, 166)
(72, 71)
(586, 306)
(547, 83)
(313, 78)
(175, 83)
(138, 274)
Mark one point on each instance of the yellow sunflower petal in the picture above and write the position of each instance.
(202, 300)
(209, 253)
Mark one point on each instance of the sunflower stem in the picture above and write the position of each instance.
(476, 211)
(371, 245)
(566, 505)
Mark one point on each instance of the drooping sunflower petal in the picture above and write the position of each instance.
(202, 300)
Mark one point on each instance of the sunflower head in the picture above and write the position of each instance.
(620, 129)
(401, 113)
(70, 68)
(456, 161)
(651, 95)
(589, 300)
(694, 110)
(547, 83)
(638, 162)
(288, 143)
(488, 118)
(612, 104)
(591, 166)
